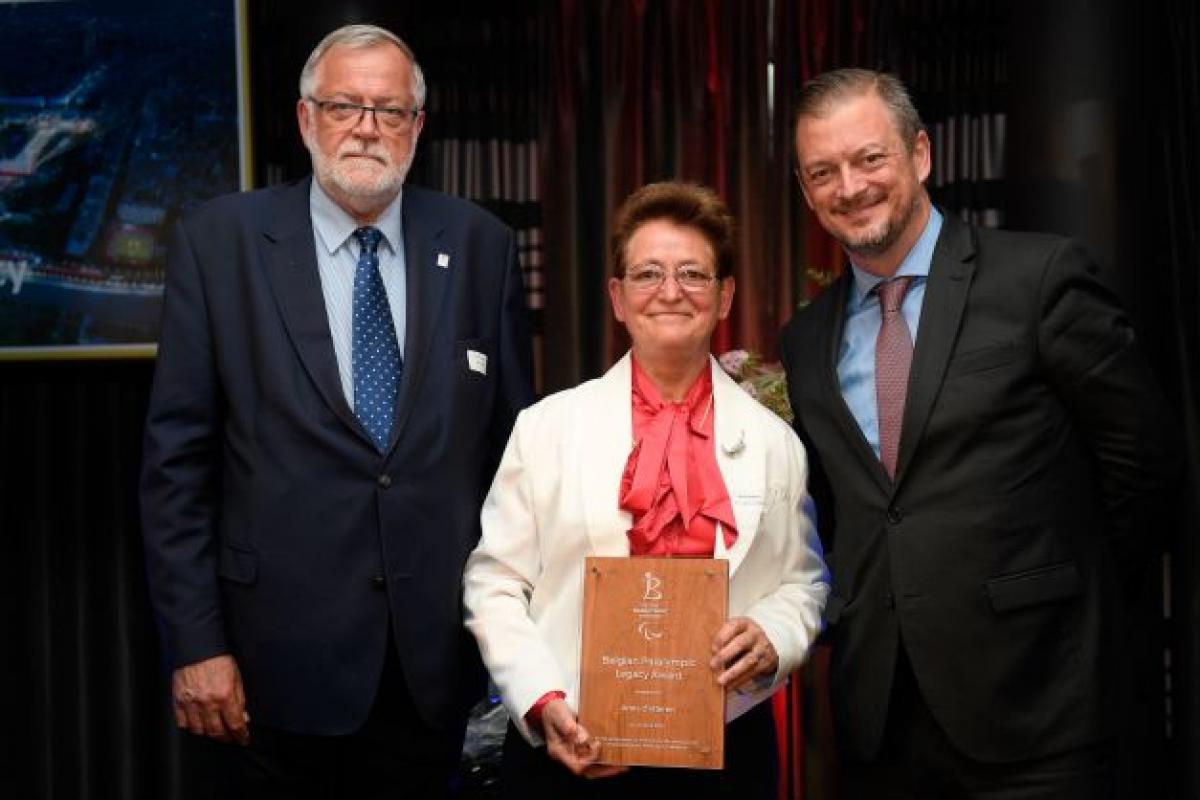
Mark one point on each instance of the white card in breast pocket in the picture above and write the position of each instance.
(477, 361)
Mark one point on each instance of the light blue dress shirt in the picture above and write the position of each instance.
(856, 356)
(337, 259)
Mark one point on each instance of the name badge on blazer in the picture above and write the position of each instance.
(477, 361)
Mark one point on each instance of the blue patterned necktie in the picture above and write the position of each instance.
(376, 355)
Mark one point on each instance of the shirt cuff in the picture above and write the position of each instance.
(533, 717)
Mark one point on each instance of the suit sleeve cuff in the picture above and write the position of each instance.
(190, 645)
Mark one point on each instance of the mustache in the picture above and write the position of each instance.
(858, 203)
(377, 153)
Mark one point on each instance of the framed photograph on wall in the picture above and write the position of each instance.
(116, 116)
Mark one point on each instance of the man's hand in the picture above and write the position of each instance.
(571, 745)
(209, 700)
(742, 652)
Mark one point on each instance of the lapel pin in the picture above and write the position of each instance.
(732, 450)
(443, 260)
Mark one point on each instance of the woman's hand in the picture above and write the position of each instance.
(742, 653)
(571, 745)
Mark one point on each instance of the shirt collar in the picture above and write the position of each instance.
(334, 226)
(916, 264)
(697, 400)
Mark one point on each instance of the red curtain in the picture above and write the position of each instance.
(642, 91)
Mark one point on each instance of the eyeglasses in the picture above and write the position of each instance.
(349, 115)
(650, 278)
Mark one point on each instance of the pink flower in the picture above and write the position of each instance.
(733, 361)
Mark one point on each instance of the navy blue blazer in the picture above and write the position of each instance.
(1034, 443)
(273, 528)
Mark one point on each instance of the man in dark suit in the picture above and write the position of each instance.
(341, 361)
(986, 441)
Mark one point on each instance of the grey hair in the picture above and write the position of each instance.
(819, 96)
(357, 37)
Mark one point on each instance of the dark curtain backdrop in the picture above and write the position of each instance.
(627, 92)
(84, 712)
(643, 91)
(1170, 194)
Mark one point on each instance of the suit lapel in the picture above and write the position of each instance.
(289, 254)
(830, 350)
(741, 458)
(606, 424)
(426, 281)
(946, 293)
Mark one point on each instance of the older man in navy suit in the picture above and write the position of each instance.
(340, 364)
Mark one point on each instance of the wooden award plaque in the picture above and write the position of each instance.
(646, 689)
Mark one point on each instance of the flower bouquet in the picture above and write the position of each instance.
(766, 383)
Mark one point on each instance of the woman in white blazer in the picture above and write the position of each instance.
(571, 485)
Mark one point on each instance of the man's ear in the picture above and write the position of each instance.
(921, 156)
(303, 118)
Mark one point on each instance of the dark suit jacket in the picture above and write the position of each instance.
(274, 530)
(1032, 439)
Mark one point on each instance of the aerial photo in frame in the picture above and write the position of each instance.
(116, 116)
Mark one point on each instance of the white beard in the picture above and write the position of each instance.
(349, 177)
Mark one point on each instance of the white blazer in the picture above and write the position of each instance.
(554, 501)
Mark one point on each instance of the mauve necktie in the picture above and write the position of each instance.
(893, 358)
(376, 355)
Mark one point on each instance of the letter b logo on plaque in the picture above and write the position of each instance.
(647, 692)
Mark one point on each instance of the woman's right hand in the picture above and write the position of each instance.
(570, 744)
